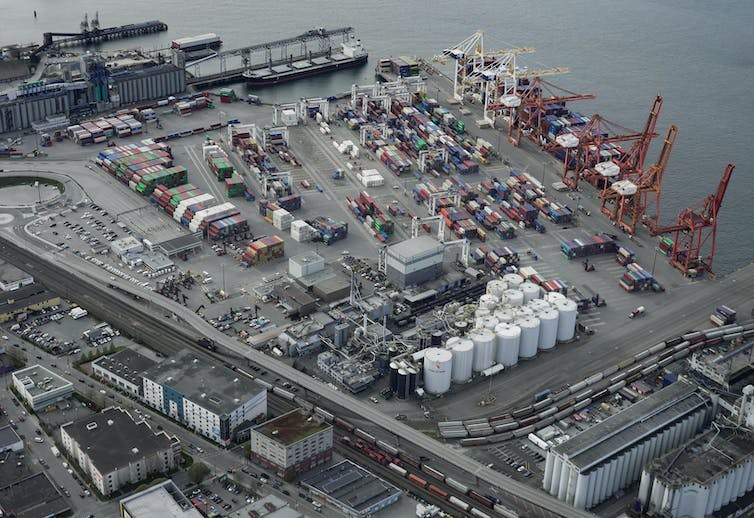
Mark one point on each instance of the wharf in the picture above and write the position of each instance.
(87, 37)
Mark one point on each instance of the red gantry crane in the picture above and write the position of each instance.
(696, 231)
(585, 150)
(536, 100)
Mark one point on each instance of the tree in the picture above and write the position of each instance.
(198, 472)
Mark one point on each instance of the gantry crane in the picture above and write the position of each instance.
(533, 106)
(696, 231)
(583, 150)
(625, 201)
(468, 55)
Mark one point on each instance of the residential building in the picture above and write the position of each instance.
(207, 397)
(292, 443)
(40, 387)
(123, 370)
(164, 500)
(115, 451)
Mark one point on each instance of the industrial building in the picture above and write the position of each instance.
(12, 278)
(702, 476)
(114, 450)
(271, 506)
(126, 245)
(591, 466)
(414, 261)
(164, 499)
(353, 490)
(123, 370)
(40, 387)
(208, 398)
(305, 337)
(327, 285)
(37, 101)
(152, 82)
(26, 299)
(295, 301)
(292, 443)
(354, 374)
(9, 440)
(304, 264)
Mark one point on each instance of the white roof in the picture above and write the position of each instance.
(608, 168)
(624, 187)
(567, 140)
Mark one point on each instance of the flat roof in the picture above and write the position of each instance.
(271, 506)
(9, 273)
(33, 496)
(292, 427)
(209, 384)
(307, 258)
(180, 244)
(351, 485)
(164, 500)
(8, 437)
(35, 375)
(112, 438)
(127, 364)
(23, 297)
(706, 458)
(293, 294)
(415, 249)
(629, 426)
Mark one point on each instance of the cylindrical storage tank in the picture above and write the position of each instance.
(496, 287)
(462, 327)
(487, 301)
(529, 337)
(538, 305)
(514, 297)
(505, 316)
(523, 312)
(436, 340)
(530, 290)
(437, 370)
(513, 280)
(567, 312)
(402, 384)
(393, 376)
(413, 374)
(490, 323)
(553, 296)
(479, 322)
(463, 359)
(450, 342)
(484, 349)
(507, 338)
(548, 328)
(482, 312)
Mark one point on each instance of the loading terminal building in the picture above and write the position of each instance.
(414, 261)
(593, 465)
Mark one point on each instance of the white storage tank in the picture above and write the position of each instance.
(514, 297)
(530, 290)
(394, 376)
(524, 312)
(484, 349)
(529, 337)
(548, 328)
(463, 359)
(490, 323)
(505, 316)
(567, 312)
(438, 364)
(513, 280)
(450, 342)
(482, 312)
(487, 301)
(538, 305)
(496, 287)
(507, 338)
(554, 296)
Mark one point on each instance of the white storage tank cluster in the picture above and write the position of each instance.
(567, 311)
(530, 290)
(505, 315)
(484, 349)
(548, 328)
(554, 296)
(507, 338)
(523, 312)
(489, 323)
(488, 301)
(514, 297)
(529, 337)
(537, 305)
(513, 280)
(463, 359)
(438, 365)
(496, 287)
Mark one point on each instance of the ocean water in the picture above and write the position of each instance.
(696, 54)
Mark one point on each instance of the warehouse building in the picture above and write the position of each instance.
(414, 261)
(164, 500)
(115, 451)
(305, 264)
(292, 443)
(700, 477)
(27, 299)
(123, 370)
(593, 465)
(9, 440)
(208, 398)
(12, 278)
(40, 387)
(354, 491)
(295, 302)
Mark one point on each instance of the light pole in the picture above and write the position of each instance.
(654, 261)
(544, 169)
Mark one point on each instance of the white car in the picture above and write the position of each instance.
(38, 439)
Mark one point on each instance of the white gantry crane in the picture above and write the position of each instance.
(468, 56)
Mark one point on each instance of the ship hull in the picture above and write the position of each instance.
(308, 72)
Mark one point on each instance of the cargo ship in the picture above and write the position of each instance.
(194, 43)
(351, 55)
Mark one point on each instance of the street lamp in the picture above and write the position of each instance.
(654, 261)
(544, 168)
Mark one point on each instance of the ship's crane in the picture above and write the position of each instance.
(696, 231)
(467, 56)
(535, 99)
(583, 150)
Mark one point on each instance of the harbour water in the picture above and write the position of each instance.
(696, 54)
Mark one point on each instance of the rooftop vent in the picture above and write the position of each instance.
(91, 426)
(274, 432)
(134, 450)
(110, 422)
(235, 380)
